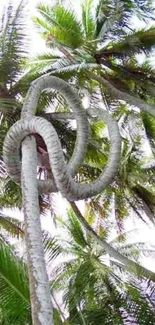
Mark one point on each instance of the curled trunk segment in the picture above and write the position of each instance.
(63, 173)
(30, 107)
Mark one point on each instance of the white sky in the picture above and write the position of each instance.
(37, 47)
(38, 44)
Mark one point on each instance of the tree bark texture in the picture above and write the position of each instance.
(41, 304)
(61, 171)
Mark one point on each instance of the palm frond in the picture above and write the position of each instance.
(52, 248)
(88, 19)
(117, 15)
(141, 41)
(138, 250)
(62, 24)
(11, 225)
(43, 62)
(10, 194)
(13, 44)
(76, 230)
(14, 293)
(106, 17)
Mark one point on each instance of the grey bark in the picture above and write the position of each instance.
(39, 287)
(62, 174)
(41, 304)
(30, 106)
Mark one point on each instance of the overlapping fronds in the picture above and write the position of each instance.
(116, 15)
(62, 24)
(133, 43)
(13, 45)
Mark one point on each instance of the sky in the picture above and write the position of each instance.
(37, 46)
(37, 42)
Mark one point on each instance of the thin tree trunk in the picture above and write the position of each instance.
(126, 262)
(41, 304)
(116, 93)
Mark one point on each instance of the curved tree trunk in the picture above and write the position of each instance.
(41, 304)
(63, 176)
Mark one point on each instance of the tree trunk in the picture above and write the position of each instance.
(130, 265)
(121, 95)
(39, 287)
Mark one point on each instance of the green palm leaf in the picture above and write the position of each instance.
(136, 42)
(14, 293)
(62, 24)
(13, 44)
(11, 225)
(116, 15)
(88, 19)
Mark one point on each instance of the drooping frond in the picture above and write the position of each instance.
(134, 43)
(141, 41)
(42, 63)
(13, 45)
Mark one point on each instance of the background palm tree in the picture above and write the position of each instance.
(93, 286)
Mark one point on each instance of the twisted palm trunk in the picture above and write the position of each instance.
(63, 174)
(41, 304)
(63, 181)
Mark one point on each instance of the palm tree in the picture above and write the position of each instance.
(103, 41)
(92, 285)
(99, 29)
(13, 58)
(63, 180)
(15, 295)
(11, 30)
(112, 56)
